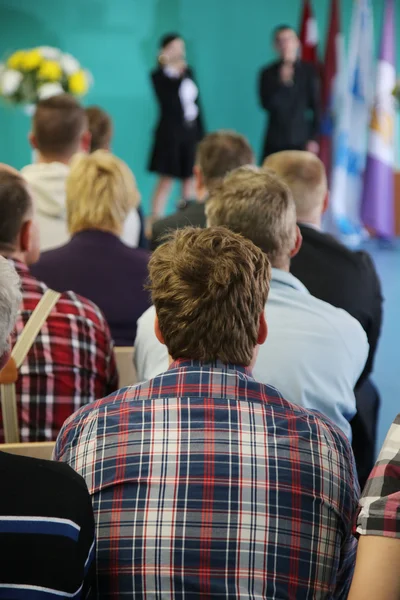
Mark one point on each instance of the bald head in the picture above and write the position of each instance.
(305, 175)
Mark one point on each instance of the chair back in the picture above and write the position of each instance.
(126, 368)
(33, 449)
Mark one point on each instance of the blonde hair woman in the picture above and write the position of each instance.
(101, 192)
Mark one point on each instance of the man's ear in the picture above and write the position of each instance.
(326, 203)
(262, 330)
(25, 236)
(32, 140)
(298, 243)
(157, 331)
(86, 140)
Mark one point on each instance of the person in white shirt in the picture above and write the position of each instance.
(315, 352)
(59, 131)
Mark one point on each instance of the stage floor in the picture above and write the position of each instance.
(387, 363)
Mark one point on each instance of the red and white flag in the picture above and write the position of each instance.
(309, 34)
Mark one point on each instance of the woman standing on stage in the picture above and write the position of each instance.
(179, 128)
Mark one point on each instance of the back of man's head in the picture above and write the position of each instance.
(221, 152)
(15, 209)
(258, 205)
(100, 127)
(209, 288)
(59, 127)
(10, 300)
(305, 175)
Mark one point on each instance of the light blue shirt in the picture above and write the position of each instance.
(314, 353)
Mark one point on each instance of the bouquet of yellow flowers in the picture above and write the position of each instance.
(28, 76)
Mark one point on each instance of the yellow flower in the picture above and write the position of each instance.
(50, 70)
(32, 60)
(78, 83)
(15, 61)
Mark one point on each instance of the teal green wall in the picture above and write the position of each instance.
(228, 41)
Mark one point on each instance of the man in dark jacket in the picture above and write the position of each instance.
(289, 91)
(338, 276)
(217, 154)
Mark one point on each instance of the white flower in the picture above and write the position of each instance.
(47, 90)
(69, 64)
(49, 53)
(10, 81)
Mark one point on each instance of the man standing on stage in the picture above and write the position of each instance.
(289, 91)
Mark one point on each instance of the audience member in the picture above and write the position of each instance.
(101, 132)
(217, 154)
(71, 361)
(315, 352)
(59, 130)
(378, 556)
(46, 518)
(206, 483)
(101, 191)
(100, 127)
(344, 278)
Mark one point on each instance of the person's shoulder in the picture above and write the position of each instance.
(71, 303)
(146, 320)
(48, 474)
(193, 214)
(270, 68)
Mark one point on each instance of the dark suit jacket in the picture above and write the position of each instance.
(344, 278)
(191, 215)
(290, 125)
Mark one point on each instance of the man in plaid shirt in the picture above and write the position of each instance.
(71, 362)
(206, 483)
(377, 574)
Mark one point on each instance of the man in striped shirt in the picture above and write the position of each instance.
(46, 518)
(206, 483)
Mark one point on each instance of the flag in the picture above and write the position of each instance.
(377, 209)
(330, 84)
(351, 133)
(308, 34)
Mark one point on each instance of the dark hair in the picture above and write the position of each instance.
(168, 38)
(279, 30)
(15, 204)
(221, 152)
(100, 127)
(58, 124)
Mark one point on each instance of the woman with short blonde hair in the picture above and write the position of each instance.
(101, 192)
(96, 263)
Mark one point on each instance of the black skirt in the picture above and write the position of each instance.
(174, 150)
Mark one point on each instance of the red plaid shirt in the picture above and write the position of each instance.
(70, 364)
(380, 502)
(207, 484)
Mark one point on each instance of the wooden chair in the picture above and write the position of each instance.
(33, 450)
(126, 368)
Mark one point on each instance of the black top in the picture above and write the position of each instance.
(344, 278)
(46, 529)
(167, 92)
(190, 215)
(290, 126)
(100, 267)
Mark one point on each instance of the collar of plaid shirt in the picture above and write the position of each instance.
(208, 484)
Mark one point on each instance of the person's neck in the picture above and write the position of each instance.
(117, 233)
(16, 255)
(313, 220)
(47, 159)
(289, 59)
(282, 266)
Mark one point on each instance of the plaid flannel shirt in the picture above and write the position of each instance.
(207, 484)
(380, 502)
(70, 364)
